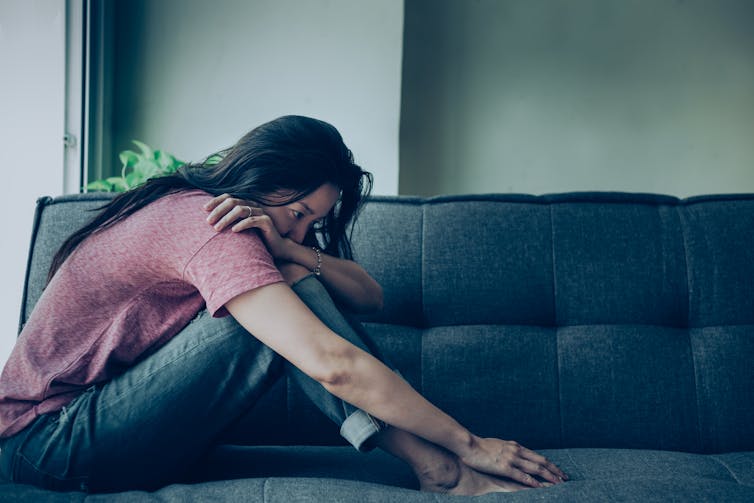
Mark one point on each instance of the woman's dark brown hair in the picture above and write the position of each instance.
(290, 156)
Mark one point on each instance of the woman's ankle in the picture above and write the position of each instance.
(441, 475)
(436, 469)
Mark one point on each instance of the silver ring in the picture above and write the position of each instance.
(250, 211)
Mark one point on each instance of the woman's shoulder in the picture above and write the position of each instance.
(179, 212)
(182, 215)
(185, 197)
(186, 204)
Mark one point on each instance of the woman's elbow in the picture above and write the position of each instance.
(336, 369)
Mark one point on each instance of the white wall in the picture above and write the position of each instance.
(32, 45)
(560, 95)
(193, 76)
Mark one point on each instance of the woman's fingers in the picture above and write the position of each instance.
(534, 465)
(221, 206)
(540, 470)
(523, 478)
(511, 460)
(261, 222)
(228, 210)
(233, 215)
(212, 203)
(253, 221)
(275, 243)
(543, 464)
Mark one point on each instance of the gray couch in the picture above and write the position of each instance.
(612, 332)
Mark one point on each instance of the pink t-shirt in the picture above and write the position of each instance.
(123, 293)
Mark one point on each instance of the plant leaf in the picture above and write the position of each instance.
(100, 186)
(145, 149)
(146, 168)
(128, 158)
(118, 183)
(168, 163)
(134, 179)
(137, 168)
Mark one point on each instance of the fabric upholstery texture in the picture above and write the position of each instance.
(614, 332)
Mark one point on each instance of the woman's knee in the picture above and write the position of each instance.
(210, 339)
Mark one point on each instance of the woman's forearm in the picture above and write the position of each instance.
(346, 280)
(371, 386)
(368, 384)
(277, 317)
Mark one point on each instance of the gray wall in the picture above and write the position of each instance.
(557, 95)
(192, 76)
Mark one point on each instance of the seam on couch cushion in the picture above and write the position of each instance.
(572, 461)
(725, 465)
(554, 284)
(264, 489)
(696, 392)
(682, 224)
(423, 322)
(423, 314)
(561, 433)
(684, 237)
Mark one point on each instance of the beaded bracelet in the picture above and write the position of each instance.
(318, 269)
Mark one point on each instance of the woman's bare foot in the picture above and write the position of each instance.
(451, 476)
(439, 470)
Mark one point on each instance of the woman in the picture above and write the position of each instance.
(112, 386)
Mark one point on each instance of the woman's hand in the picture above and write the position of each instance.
(225, 210)
(346, 281)
(242, 215)
(511, 460)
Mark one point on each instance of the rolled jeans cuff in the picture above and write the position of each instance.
(359, 429)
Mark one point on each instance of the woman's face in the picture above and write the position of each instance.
(294, 220)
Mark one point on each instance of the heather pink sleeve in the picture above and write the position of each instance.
(228, 265)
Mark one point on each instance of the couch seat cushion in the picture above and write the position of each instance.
(339, 474)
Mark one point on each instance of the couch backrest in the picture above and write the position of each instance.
(569, 320)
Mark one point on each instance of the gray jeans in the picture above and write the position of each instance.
(151, 425)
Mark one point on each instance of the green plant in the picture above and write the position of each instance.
(137, 168)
